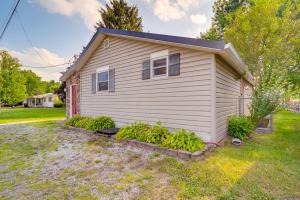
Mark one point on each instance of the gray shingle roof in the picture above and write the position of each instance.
(167, 38)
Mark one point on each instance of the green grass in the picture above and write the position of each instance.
(266, 166)
(31, 114)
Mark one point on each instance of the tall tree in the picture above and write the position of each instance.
(119, 15)
(267, 36)
(224, 11)
(33, 83)
(12, 82)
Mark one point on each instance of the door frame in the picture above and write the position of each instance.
(71, 100)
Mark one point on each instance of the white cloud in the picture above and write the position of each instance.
(166, 10)
(88, 10)
(198, 19)
(186, 4)
(40, 57)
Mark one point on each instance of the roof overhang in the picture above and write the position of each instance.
(228, 53)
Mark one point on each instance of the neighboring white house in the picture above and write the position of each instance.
(41, 101)
(183, 82)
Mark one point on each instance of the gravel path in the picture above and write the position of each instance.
(70, 164)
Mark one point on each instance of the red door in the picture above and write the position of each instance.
(74, 105)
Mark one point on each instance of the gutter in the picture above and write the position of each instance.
(231, 55)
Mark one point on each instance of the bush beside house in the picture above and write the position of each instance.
(139, 131)
(239, 126)
(159, 135)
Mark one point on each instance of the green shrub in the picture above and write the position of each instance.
(101, 122)
(160, 135)
(133, 131)
(83, 123)
(73, 120)
(156, 134)
(58, 103)
(239, 126)
(183, 140)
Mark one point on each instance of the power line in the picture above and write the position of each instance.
(27, 36)
(9, 19)
(50, 66)
(9, 13)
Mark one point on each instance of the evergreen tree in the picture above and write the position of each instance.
(119, 15)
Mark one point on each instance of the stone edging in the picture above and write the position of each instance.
(198, 155)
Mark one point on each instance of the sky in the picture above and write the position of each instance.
(58, 29)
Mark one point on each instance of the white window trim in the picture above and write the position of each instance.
(99, 70)
(157, 56)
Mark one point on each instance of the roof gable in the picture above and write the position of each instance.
(226, 51)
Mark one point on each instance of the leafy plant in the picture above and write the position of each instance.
(101, 122)
(74, 120)
(263, 103)
(160, 135)
(83, 123)
(133, 131)
(239, 126)
(58, 103)
(183, 140)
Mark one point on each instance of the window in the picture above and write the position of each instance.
(102, 80)
(50, 99)
(159, 67)
(159, 63)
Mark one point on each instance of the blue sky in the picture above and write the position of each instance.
(59, 28)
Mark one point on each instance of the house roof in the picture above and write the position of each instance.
(41, 95)
(226, 51)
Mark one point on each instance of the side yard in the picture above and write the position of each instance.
(45, 161)
(8, 115)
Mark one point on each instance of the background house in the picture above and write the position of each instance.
(42, 100)
(183, 82)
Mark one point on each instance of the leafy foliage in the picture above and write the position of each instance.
(224, 11)
(58, 103)
(262, 104)
(74, 120)
(160, 135)
(83, 123)
(133, 131)
(239, 126)
(119, 15)
(101, 122)
(183, 140)
(12, 82)
(92, 124)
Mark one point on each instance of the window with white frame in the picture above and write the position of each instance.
(102, 79)
(159, 63)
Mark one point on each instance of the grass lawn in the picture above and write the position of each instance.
(44, 161)
(31, 114)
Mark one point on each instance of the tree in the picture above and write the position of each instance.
(12, 82)
(61, 92)
(224, 11)
(267, 36)
(33, 83)
(119, 15)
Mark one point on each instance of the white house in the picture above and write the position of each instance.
(41, 101)
(183, 82)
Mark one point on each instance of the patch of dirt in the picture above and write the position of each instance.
(81, 165)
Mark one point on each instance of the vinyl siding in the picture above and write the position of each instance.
(178, 102)
(227, 94)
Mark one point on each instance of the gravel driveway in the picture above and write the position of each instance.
(47, 161)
